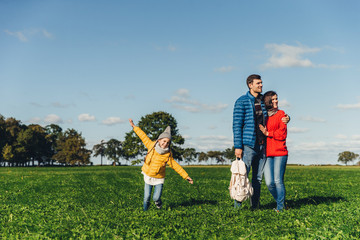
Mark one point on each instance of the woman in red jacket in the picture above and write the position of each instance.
(276, 150)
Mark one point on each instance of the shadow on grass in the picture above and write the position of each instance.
(193, 202)
(314, 200)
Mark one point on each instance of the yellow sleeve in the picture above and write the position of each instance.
(144, 138)
(174, 165)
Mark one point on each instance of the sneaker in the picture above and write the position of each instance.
(158, 204)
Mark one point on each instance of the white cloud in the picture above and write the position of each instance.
(335, 146)
(224, 69)
(284, 103)
(35, 120)
(183, 92)
(53, 118)
(212, 143)
(214, 138)
(47, 34)
(171, 48)
(297, 130)
(182, 100)
(283, 56)
(349, 106)
(288, 56)
(112, 121)
(310, 146)
(19, 35)
(85, 117)
(187, 137)
(341, 136)
(312, 119)
(24, 36)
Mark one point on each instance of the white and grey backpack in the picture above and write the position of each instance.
(240, 186)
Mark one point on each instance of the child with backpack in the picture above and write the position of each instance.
(159, 154)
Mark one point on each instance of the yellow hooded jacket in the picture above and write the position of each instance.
(155, 163)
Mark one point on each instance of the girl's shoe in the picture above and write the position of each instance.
(158, 204)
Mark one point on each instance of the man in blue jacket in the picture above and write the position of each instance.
(249, 141)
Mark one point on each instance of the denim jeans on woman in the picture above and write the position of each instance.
(156, 196)
(254, 158)
(274, 177)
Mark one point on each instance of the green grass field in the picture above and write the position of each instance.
(106, 203)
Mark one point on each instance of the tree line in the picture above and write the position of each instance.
(35, 145)
(25, 145)
(30, 145)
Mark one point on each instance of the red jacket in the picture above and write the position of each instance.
(276, 140)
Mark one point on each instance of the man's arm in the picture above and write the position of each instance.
(238, 124)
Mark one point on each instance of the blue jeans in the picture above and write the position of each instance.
(254, 158)
(156, 196)
(274, 177)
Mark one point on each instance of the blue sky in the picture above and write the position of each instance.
(92, 65)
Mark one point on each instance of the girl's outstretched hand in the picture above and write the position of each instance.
(189, 180)
(131, 122)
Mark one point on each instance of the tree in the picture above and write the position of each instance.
(229, 154)
(53, 132)
(347, 156)
(40, 148)
(3, 140)
(71, 149)
(190, 155)
(113, 150)
(203, 157)
(14, 152)
(153, 125)
(217, 155)
(99, 150)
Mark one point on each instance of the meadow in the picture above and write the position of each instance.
(106, 203)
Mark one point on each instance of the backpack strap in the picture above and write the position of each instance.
(149, 152)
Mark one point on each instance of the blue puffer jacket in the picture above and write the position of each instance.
(244, 121)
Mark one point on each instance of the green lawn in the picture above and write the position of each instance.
(106, 202)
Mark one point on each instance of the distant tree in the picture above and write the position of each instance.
(3, 140)
(217, 155)
(13, 152)
(71, 149)
(25, 146)
(190, 155)
(53, 132)
(40, 146)
(136, 162)
(113, 150)
(99, 150)
(229, 154)
(7, 153)
(153, 125)
(203, 157)
(347, 156)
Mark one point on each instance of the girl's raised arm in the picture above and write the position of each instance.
(131, 123)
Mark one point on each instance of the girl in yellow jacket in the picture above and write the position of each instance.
(159, 154)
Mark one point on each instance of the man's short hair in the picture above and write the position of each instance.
(251, 78)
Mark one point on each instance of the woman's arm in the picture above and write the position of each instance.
(281, 132)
